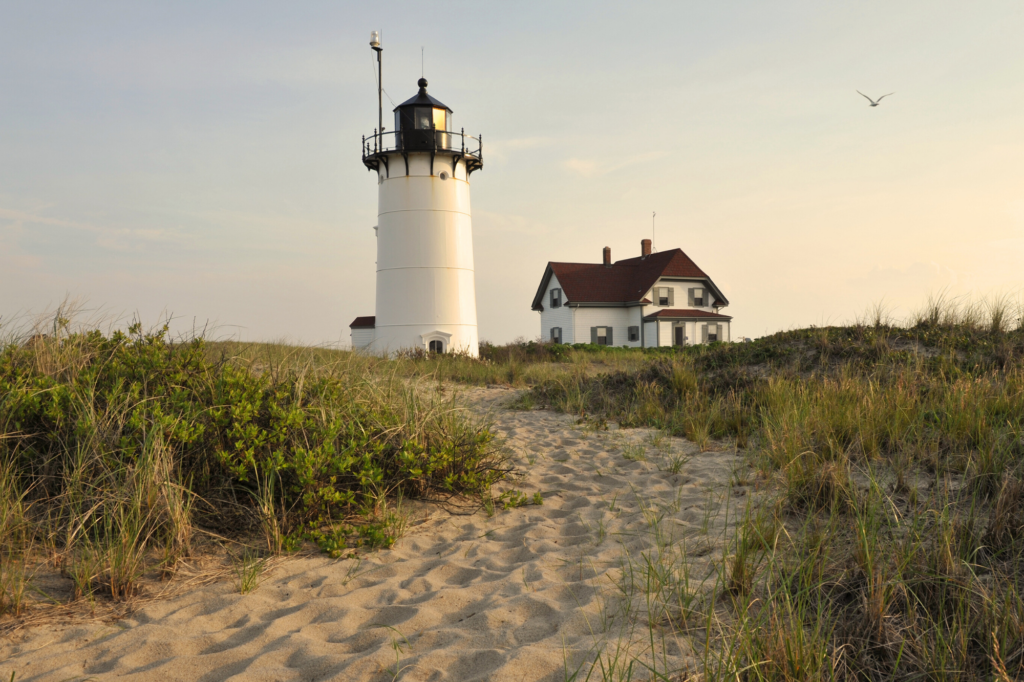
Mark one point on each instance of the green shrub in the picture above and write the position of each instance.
(112, 437)
(333, 440)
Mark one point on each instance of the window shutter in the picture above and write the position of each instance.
(593, 335)
(609, 333)
(671, 296)
(689, 302)
(703, 333)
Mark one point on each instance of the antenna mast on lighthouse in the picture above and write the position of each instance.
(375, 44)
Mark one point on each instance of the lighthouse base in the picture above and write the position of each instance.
(444, 338)
(397, 339)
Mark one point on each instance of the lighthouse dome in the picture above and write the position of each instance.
(422, 99)
(420, 116)
(423, 124)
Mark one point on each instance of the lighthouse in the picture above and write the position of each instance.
(426, 292)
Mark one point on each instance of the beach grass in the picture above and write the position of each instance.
(887, 539)
(118, 449)
(883, 538)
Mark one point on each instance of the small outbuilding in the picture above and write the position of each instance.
(655, 299)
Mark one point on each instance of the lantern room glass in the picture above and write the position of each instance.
(422, 118)
(414, 123)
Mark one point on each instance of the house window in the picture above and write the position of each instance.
(698, 297)
(556, 335)
(556, 298)
(712, 333)
(601, 336)
(437, 346)
(662, 294)
(634, 333)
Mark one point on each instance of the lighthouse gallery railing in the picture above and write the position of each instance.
(423, 141)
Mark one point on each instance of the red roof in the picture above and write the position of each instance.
(370, 321)
(686, 314)
(625, 281)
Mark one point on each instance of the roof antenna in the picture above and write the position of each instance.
(421, 62)
(653, 216)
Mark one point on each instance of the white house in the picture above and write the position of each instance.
(655, 299)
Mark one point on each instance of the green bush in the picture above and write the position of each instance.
(111, 439)
(323, 437)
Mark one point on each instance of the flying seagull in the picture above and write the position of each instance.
(874, 102)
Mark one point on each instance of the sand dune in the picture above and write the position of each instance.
(525, 594)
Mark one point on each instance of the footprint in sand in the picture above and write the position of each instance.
(512, 596)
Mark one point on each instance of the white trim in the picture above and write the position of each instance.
(425, 339)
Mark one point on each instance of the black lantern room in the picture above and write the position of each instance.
(422, 122)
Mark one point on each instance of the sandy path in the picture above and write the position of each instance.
(519, 595)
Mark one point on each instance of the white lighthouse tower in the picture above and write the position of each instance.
(426, 292)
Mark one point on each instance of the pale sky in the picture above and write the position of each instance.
(202, 158)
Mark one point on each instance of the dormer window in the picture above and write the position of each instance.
(556, 298)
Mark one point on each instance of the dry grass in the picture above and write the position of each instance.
(128, 462)
(889, 539)
(886, 540)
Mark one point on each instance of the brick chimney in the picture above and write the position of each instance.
(645, 247)
(607, 256)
